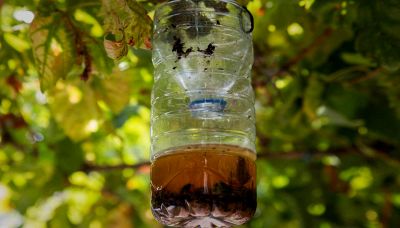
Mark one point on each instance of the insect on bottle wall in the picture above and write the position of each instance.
(202, 123)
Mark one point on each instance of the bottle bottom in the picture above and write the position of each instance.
(235, 207)
(204, 186)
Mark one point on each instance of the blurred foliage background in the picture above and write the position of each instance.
(74, 124)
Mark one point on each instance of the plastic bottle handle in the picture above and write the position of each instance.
(244, 9)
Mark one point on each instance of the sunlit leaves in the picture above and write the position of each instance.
(126, 23)
(137, 130)
(68, 100)
(53, 47)
(360, 177)
(16, 42)
(114, 91)
(80, 202)
(85, 17)
(327, 84)
(66, 104)
(61, 208)
(66, 49)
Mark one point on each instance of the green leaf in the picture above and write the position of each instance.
(336, 118)
(243, 2)
(16, 42)
(346, 101)
(114, 91)
(26, 198)
(381, 120)
(129, 20)
(312, 97)
(335, 40)
(60, 217)
(102, 63)
(125, 115)
(67, 103)
(391, 86)
(53, 47)
(85, 17)
(69, 156)
(356, 59)
(379, 36)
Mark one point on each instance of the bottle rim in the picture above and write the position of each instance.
(242, 9)
(164, 4)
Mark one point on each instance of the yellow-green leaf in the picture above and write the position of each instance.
(53, 47)
(66, 104)
(16, 42)
(129, 18)
(115, 91)
(115, 49)
(312, 97)
(85, 17)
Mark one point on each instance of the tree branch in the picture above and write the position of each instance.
(309, 155)
(368, 76)
(90, 168)
(271, 73)
(304, 52)
(387, 209)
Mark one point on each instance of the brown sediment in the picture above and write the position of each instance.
(204, 185)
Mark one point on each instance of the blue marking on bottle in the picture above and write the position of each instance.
(208, 104)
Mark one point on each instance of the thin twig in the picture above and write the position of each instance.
(295, 155)
(387, 209)
(304, 52)
(309, 155)
(368, 76)
(343, 74)
(271, 73)
(89, 168)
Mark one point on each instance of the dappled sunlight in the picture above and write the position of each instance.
(295, 29)
(24, 15)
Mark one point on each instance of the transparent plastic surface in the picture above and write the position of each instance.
(202, 54)
(202, 98)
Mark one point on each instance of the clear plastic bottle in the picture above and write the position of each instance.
(202, 120)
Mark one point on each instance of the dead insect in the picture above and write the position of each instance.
(208, 51)
(178, 47)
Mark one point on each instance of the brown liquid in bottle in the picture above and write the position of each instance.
(204, 186)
